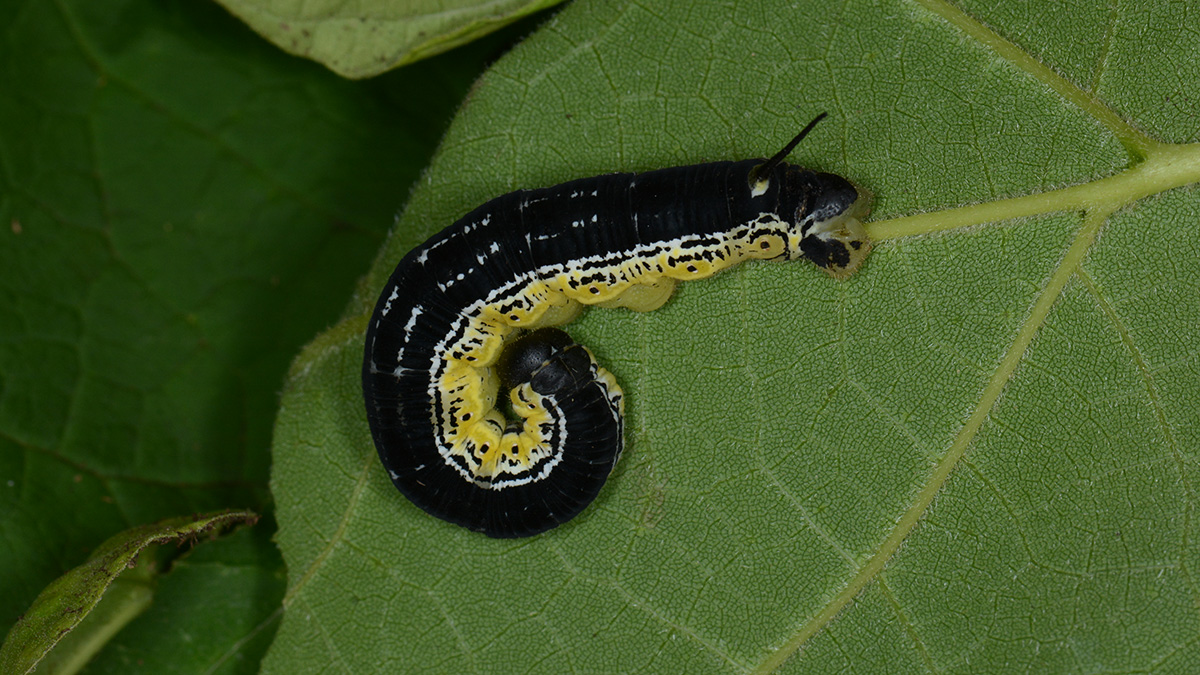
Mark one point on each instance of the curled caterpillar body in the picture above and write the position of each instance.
(453, 324)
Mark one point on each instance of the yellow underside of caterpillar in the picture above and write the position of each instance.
(469, 385)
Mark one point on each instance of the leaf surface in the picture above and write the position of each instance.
(977, 455)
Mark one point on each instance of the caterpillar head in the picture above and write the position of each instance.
(829, 224)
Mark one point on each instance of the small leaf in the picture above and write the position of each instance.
(216, 612)
(979, 454)
(362, 39)
(67, 603)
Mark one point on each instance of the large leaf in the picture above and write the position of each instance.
(977, 455)
(182, 207)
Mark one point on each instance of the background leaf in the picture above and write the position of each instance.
(369, 37)
(979, 454)
(78, 613)
(181, 208)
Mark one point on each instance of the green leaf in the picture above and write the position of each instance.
(216, 612)
(62, 617)
(182, 207)
(363, 39)
(977, 455)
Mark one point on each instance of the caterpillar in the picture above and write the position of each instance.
(473, 312)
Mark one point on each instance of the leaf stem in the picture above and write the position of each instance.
(1167, 167)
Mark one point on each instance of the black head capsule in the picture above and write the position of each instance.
(824, 211)
(829, 229)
